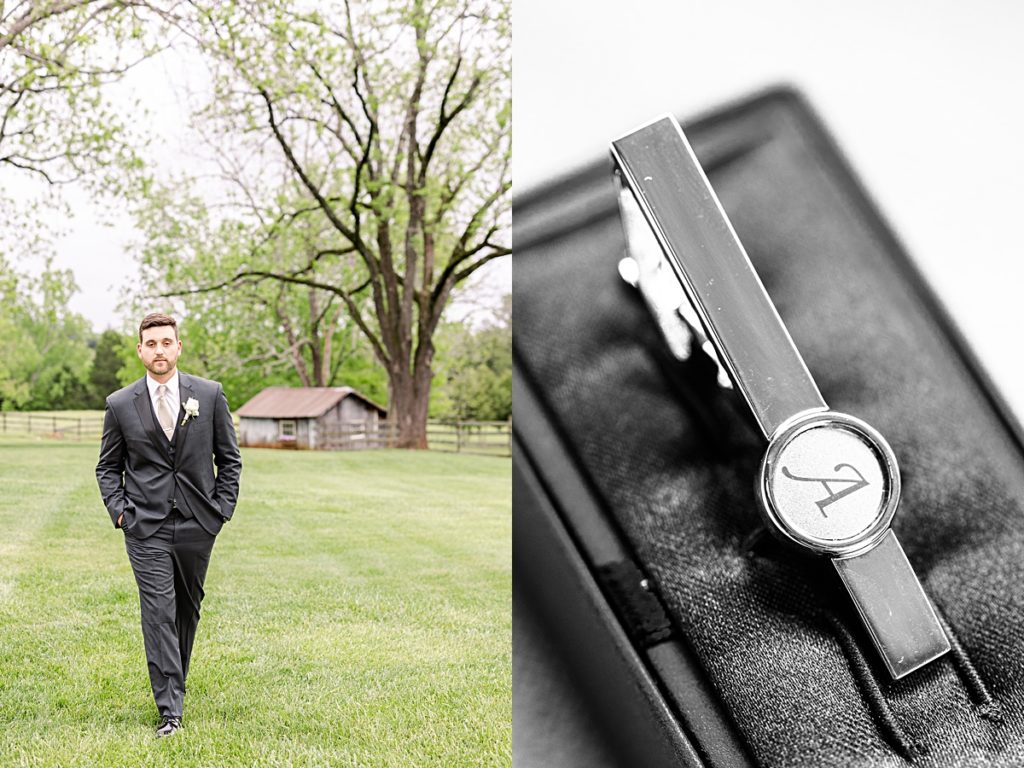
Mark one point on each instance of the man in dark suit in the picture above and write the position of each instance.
(162, 437)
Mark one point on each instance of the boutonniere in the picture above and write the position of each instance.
(191, 409)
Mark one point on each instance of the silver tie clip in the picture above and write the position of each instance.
(828, 481)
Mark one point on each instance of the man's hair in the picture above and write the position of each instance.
(156, 320)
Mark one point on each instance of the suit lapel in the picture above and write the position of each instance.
(185, 391)
(144, 407)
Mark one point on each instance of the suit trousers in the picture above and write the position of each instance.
(170, 568)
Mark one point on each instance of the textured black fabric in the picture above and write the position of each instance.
(773, 628)
(639, 610)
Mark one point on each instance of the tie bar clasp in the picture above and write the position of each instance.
(829, 483)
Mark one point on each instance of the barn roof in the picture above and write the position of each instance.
(299, 402)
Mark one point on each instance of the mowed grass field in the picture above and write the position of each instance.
(357, 613)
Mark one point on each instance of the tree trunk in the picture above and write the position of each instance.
(408, 408)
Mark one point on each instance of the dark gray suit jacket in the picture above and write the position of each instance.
(143, 475)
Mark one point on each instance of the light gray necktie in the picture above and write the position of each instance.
(163, 411)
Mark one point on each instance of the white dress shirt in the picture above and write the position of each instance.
(174, 401)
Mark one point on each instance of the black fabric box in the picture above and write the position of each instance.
(696, 638)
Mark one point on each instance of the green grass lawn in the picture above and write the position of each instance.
(357, 613)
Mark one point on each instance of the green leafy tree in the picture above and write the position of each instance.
(58, 127)
(15, 356)
(106, 363)
(258, 333)
(55, 58)
(44, 347)
(131, 367)
(475, 378)
(382, 129)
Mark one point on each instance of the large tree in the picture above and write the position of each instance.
(388, 125)
(259, 332)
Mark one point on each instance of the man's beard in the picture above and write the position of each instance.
(160, 366)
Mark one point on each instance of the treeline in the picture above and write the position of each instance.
(51, 359)
(474, 378)
(46, 351)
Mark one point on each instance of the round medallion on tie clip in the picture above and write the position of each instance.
(829, 482)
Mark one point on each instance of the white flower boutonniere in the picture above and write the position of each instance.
(191, 409)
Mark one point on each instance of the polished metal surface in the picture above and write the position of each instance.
(681, 209)
(647, 270)
(895, 609)
(829, 482)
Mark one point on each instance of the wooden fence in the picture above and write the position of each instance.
(55, 426)
(489, 438)
(486, 438)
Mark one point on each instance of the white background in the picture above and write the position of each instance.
(925, 99)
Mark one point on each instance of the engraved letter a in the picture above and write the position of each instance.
(853, 485)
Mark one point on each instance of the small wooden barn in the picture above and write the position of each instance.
(308, 417)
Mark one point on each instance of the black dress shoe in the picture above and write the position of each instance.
(168, 725)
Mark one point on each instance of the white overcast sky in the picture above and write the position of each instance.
(924, 98)
(98, 243)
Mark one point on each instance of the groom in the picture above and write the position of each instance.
(162, 437)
